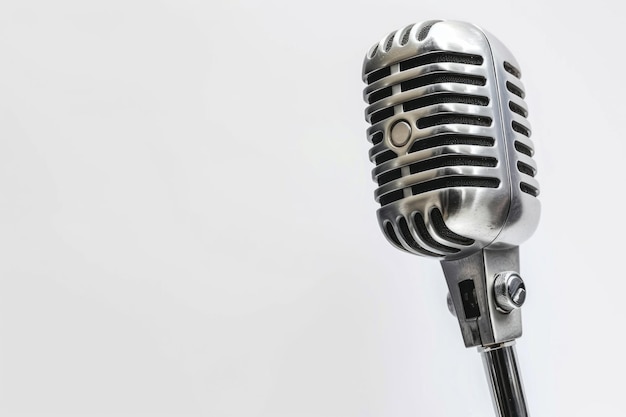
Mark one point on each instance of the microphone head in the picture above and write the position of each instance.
(450, 141)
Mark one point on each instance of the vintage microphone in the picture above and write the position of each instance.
(453, 155)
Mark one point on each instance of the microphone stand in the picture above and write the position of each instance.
(486, 293)
(505, 382)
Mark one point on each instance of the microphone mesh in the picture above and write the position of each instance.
(424, 32)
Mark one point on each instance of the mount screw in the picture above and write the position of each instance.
(509, 290)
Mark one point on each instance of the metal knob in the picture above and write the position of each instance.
(450, 305)
(509, 290)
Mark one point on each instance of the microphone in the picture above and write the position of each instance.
(456, 176)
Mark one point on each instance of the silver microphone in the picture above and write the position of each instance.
(451, 144)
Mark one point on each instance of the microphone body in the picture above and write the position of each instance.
(456, 178)
(451, 144)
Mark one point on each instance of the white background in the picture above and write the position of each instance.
(187, 222)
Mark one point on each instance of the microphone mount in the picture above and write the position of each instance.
(474, 289)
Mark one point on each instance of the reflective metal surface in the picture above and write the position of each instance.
(505, 380)
(471, 282)
(453, 155)
(453, 162)
(458, 175)
(509, 290)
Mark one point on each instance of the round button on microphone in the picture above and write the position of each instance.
(400, 133)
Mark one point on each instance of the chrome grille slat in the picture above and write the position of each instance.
(403, 76)
(452, 171)
(428, 58)
(470, 130)
(428, 90)
(430, 237)
(413, 242)
(411, 158)
(525, 159)
(521, 120)
(475, 143)
(436, 162)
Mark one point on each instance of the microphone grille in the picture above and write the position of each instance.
(439, 138)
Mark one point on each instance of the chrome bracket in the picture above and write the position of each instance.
(471, 283)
